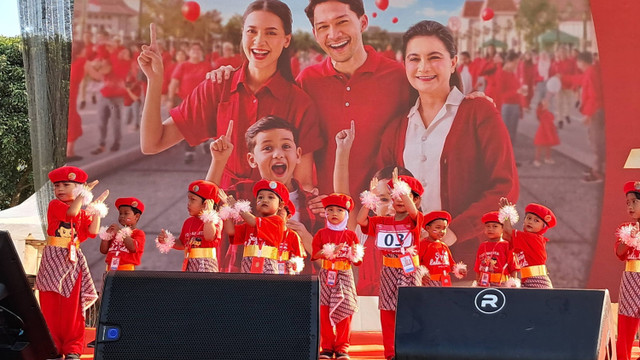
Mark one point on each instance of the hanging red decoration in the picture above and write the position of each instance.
(191, 10)
(374, 14)
(382, 4)
(394, 20)
(487, 14)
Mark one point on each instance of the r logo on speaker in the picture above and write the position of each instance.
(490, 301)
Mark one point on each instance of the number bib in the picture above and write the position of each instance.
(393, 237)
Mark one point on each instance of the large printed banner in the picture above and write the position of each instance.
(549, 159)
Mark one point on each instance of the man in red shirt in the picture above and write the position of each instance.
(353, 83)
(229, 57)
(592, 107)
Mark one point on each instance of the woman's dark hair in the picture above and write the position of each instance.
(434, 28)
(281, 10)
(387, 172)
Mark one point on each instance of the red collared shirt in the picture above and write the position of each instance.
(375, 95)
(206, 112)
(529, 248)
(127, 257)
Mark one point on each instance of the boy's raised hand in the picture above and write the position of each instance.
(150, 59)
(222, 147)
(345, 138)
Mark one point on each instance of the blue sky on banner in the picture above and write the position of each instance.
(408, 12)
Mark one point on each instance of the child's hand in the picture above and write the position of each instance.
(208, 205)
(162, 236)
(150, 59)
(223, 197)
(373, 185)
(344, 138)
(222, 147)
(102, 196)
(231, 201)
(92, 184)
(114, 228)
(394, 175)
(504, 202)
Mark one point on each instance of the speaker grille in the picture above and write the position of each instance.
(171, 315)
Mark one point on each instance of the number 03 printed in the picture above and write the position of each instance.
(394, 239)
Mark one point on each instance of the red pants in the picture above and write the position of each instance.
(627, 328)
(330, 341)
(65, 319)
(388, 322)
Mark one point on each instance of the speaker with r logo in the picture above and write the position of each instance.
(503, 323)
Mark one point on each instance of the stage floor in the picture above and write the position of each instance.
(364, 346)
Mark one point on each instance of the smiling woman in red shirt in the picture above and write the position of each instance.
(262, 86)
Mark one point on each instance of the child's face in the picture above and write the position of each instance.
(437, 229)
(633, 205)
(267, 203)
(335, 214)
(275, 155)
(398, 204)
(64, 190)
(533, 223)
(493, 230)
(195, 204)
(385, 208)
(126, 216)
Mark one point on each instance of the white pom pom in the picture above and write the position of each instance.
(329, 251)
(400, 188)
(123, 233)
(356, 253)
(104, 235)
(85, 192)
(169, 241)
(513, 282)
(297, 263)
(508, 212)
(227, 212)
(459, 270)
(97, 208)
(210, 216)
(242, 206)
(474, 283)
(629, 235)
(370, 200)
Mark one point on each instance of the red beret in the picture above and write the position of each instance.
(631, 186)
(274, 186)
(205, 189)
(291, 208)
(435, 215)
(340, 200)
(413, 183)
(68, 174)
(491, 216)
(130, 201)
(543, 213)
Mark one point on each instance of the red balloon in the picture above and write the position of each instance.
(382, 4)
(394, 20)
(487, 14)
(191, 10)
(374, 14)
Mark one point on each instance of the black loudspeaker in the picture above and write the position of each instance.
(479, 323)
(178, 315)
(23, 331)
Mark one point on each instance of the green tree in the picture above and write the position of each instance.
(167, 16)
(16, 180)
(534, 17)
(376, 37)
(232, 30)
